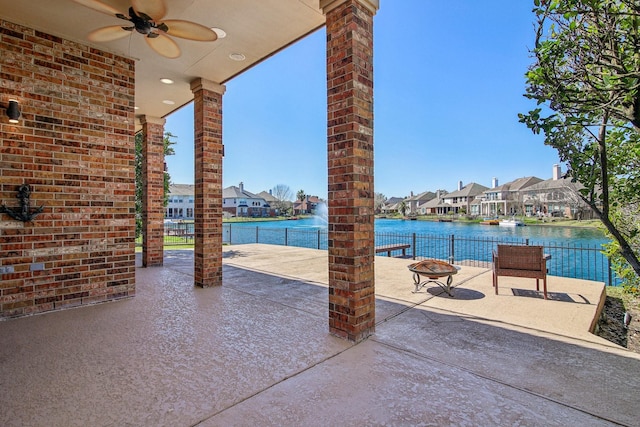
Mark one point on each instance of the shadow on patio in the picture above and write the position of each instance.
(256, 351)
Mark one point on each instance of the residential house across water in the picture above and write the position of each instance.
(530, 196)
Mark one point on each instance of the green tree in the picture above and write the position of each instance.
(300, 195)
(168, 151)
(585, 77)
(403, 208)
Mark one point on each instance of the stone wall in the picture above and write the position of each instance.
(74, 146)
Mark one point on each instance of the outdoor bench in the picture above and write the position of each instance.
(393, 247)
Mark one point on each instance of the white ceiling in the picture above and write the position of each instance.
(254, 28)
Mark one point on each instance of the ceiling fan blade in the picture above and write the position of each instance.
(99, 6)
(155, 9)
(190, 30)
(107, 34)
(164, 46)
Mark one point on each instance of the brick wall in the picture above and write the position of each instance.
(153, 192)
(208, 149)
(350, 163)
(74, 145)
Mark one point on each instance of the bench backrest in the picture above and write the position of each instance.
(520, 257)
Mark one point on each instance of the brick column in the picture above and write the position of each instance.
(208, 181)
(350, 163)
(153, 191)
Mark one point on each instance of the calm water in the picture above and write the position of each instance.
(535, 234)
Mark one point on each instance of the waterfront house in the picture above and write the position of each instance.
(460, 201)
(505, 199)
(556, 197)
(391, 205)
(180, 201)
(306, 206)
(412, 202)
(238, 202)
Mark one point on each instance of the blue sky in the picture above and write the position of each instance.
(448, 85)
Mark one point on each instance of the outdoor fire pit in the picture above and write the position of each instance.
(434, 270)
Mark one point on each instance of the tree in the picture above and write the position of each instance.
(300, 195)
(586, 73)
(282, 193)
(403, 208)
(168, 151)
(379, 200)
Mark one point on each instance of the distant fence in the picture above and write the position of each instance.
(567, 260)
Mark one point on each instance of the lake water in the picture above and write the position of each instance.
(536, 234)
(575, 251)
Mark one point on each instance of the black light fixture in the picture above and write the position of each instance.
(13, 111)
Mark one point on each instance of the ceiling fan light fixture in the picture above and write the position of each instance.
(147, 17)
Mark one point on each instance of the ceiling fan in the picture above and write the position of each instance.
(145, 17)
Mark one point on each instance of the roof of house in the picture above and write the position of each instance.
(234, 192)
(515, 185)
(551, 184)
(267, 196)
(182, 189)
(469, 190)
(392, 201)
(434, 203)
(422, 197)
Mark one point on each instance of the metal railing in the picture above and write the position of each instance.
(567, 260)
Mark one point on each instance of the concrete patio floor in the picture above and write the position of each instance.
(256, 351)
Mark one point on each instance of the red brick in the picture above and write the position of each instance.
(350, 168)
(67, 156)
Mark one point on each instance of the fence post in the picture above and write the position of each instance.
(286, 237)
(452, 248)
(526, 241)
(318, 238)
(610, 275)
(413, 250)
(257, 234)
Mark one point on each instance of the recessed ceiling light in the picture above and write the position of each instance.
(168, 102)
(166, 81)
(219, 32)
(237, 56)
(136, 108)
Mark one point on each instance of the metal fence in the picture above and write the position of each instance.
(567, 260)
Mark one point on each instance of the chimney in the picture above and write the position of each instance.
(270, 193)
(459, 185)
(241, 187)
(557, 172)
(494, 182)
(412, 194)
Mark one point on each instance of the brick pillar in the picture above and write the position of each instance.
(153, 191)
(350, 163)
(208, 181)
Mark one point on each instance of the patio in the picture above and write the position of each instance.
(256, 351)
